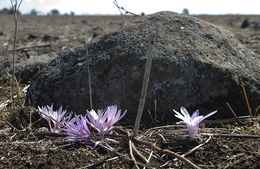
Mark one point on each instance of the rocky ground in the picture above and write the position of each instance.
(40, 38)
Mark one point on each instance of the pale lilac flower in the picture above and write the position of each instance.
(77, 129)
(68, 117)
(53, 117)
(103, 121)
(193, 121)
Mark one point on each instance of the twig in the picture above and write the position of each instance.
(256, 110)
(156, 156)
(12, 125)
(161, 166)
(230, 159)
(233, 112)
(30, 124)
(130, 144)
(131, 153)
(14, 46)
(155, 111)
(36, 121)
(119, 8)
(17, 84)
(122, 8)
(140, 154)
(17, 142)
(148, 65)
(219, 121)
(150, 114)
(164, 140)
(62, 146)
(89, 79)
(175, 155)
(100, 162)
(30, 47)
(247, 102)
(150, 156)
(15, 8)
(197, 147)
(231, 135)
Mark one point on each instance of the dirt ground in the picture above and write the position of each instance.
(233, 145)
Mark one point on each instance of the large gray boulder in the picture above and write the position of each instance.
(195, 64)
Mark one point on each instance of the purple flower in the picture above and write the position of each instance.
(103, 121)
(192, 121)
(53, 117)
(77, 129)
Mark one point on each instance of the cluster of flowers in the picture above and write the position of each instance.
(76, 127)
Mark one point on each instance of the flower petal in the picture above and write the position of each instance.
(93, 114)
(182, 117)
(210, 114)
(196, 120)
(110, 140)
(185, 112)
(195, 114)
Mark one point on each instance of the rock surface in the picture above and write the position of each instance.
(28, 65)
(254, 25)
(195, 64)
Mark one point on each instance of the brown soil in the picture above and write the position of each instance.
(28, 149)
